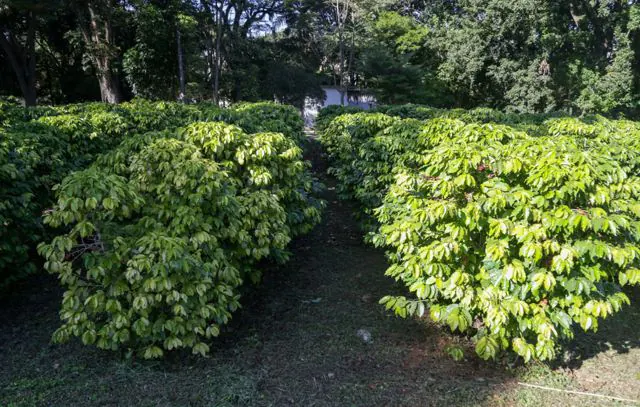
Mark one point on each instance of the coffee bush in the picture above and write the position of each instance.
(40, 146)
(342, 140)
(515, 238)
(165, 229)
(327, 114)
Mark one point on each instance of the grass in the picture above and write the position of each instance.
(295, 343)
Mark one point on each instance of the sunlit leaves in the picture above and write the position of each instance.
(40, 146)
(517, 237)
(163, 231)
(487, 347)
(455, 352)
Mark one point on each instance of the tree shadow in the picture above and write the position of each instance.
(619, 333)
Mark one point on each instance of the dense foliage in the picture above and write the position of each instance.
(510, 236)
(40, 146)
(521, 56)
(167, 227)
(327, 114)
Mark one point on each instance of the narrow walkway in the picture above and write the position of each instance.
(307, 317)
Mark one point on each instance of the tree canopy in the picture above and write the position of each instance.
(577, 56)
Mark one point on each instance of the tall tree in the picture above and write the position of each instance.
(18, 30)
(211, 23)
(152, 65)
(95, 21)
(182, 79)
(538, 55)
(229, 25)
(341, 12)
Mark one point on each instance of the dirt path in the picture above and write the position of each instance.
(295, 342)
(308, 317)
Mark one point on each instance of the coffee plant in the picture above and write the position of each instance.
(327, 114)
(342, 139)
(165, 229)
(477, 115)
(512, 237)
(269, 117)
(40, 146)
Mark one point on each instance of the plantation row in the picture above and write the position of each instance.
(155, 237)
(421, 112)
(511, 234)
(40, 146)
(535, 124)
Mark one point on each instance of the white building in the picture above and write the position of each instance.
(352, 97)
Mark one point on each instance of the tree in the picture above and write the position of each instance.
(95, 22)
(18, 30)
(396, 62)
(341, 9)
(151, 65)
(538, 56)
(578, 56)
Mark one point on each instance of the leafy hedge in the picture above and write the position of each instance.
(510, 237)
(477, 115)
(267, 116)
(166, 228)
(327, 114)
(423, 112)
(40, 146)
(347, 134)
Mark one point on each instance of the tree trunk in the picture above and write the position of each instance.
(341, 18)
(23, 60)
(109, 88)
(98, 37)
(211, 62)
(341, 70)
(575, 15)
(215, 59)
(218, 60)
(30, 62)
(30, 96)
(181, 74)
(349, 73)
(109, 84)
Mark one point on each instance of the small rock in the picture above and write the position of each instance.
(331, 375)
(365, 335)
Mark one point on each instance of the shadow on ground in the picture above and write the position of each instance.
(294, 342)
(619, 334)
